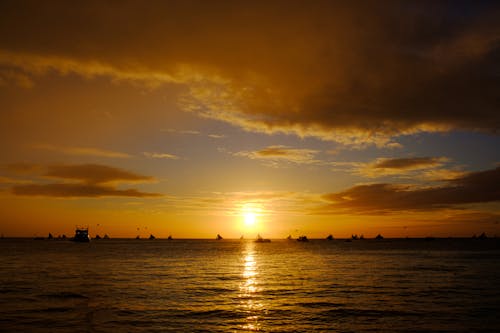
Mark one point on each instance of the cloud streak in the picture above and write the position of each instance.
(160, 155)
(280, 153)
(472, 188)
(77, 191)
(85, 180)
(399, 166)
(83, 151)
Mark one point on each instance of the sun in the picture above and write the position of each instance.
(250, 213)
(250, 218)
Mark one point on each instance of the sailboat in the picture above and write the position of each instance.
(262, 240)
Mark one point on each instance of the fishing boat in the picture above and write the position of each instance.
(262, 240)
(81, 235)
(302, 239)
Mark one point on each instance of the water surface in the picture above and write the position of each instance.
(445, 285)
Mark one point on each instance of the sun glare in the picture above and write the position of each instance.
(250, 217)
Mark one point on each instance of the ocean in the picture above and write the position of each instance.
(390, 285)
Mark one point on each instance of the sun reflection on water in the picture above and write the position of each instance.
(249, 288)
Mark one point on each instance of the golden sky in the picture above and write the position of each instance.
(194, 118)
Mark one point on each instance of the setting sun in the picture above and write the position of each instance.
(250, 213)
(250, 219)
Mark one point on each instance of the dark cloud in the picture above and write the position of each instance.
(473, 188)
(357, 72)
(86, 180)
(77, 190)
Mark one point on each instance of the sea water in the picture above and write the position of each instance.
(442, 285)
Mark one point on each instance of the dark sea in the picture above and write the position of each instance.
(398, 285)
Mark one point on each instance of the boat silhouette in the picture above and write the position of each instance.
(262, 240)
(81, 235)
(219, 237)
(302, 239)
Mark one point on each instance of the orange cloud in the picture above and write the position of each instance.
(161, 155)
(474, 187)
(281, 153)
(93, 173)
(77, 190)
(82, 151)
(355, 73)
(85, 180)
(399, 166)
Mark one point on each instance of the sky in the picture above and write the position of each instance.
(192, 118)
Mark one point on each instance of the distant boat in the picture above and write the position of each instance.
(483, 236)
(50, 236)
(169, 237)
(151, 237)
(361, 237)
(137, 237)
(106, 236)
(289, 237)
(302, 239)
(379, 236)
(262, 240)
(354, 237)
(219, 237)
(97, 237)
(330, 237)
(81, 235)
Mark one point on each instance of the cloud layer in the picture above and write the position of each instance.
(473, 188)
(356, 73)
(280, 153)
(85, 180)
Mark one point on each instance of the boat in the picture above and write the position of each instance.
(379, 236)
(262, 240)
(302, 239)
(106, 236)
(289, 237)
(354, 237)
(329, 237)
(137, 237)
(97, 237)
(81, 235)
(219, 237)
(151, 237)
(50, 236)
(169, 237)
